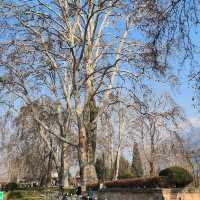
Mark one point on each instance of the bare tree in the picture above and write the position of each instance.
(80, 53)
(28, 159)
(155, 123)
(191, 152)
(47, 113)
(121, 133)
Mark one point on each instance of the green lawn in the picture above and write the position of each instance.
(31, 194)
(24, 195)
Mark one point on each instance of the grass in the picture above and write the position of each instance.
(24, 195)
(30, 194)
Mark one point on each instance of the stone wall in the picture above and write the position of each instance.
(148, 194)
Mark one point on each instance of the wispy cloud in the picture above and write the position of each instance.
(193, 122)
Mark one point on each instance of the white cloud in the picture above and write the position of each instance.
(195, 122)
(192, 122)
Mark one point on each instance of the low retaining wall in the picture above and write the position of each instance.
(147, 194)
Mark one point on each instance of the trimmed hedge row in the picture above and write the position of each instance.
(146, 182)
(170, 177)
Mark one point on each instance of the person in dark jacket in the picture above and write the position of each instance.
(78, 192)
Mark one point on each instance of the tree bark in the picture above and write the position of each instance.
(66, 167)
(66, 174)
(49, 170)
(151, 168)
(117, 163)
(121, 139)
(87, 143)
(152, 150)
(61, 169)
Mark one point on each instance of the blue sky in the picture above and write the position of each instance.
(184, 99)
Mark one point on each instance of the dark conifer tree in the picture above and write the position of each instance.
(136, 166)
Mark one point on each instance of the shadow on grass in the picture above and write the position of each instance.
(14, 194)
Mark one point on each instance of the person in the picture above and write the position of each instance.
(78, 192)
(90, 194)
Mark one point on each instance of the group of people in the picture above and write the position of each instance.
(79, 193)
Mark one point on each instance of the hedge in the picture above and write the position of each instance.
(177, 176)
(170, 177)
(11, 186)
(145, 182)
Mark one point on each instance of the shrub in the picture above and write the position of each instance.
(177, 176)
(11, 186)
(125, 175)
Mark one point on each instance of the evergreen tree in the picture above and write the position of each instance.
(99, 165)
(124, 169)
(136, 166)
(103, 172)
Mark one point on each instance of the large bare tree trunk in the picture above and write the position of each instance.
(66, 166)
(121, 139)
(152, 150)
(151, 168)
(61, 168)
(66, 173)
(87, 143)
(110, 151)
(49, 170)
(117, 163)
